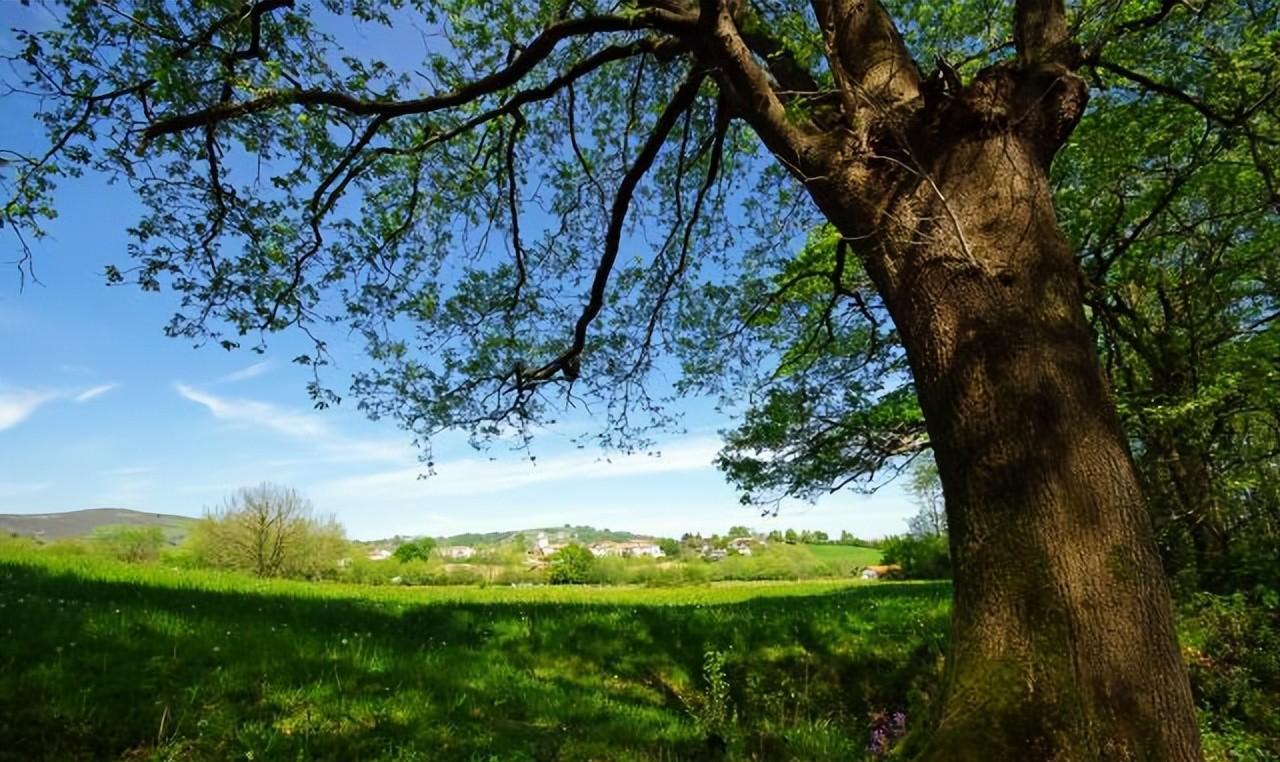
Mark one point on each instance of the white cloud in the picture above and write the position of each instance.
(96, 391)
(289, 423)
(303, 426)
(16, 405)
(468, 476)
(244, 374)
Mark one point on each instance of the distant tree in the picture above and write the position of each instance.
(130, 543)
(790, 537)
(414, 550)
(739, 531)
(926, 489)
(669, 547)
(775, 536)
(920, 557)
(571, 565)
(818, 537)
(271, 531)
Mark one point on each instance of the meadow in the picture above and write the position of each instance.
(107, 660)
(102, 660)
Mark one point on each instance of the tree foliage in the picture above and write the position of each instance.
(414, 550)
(571, 565)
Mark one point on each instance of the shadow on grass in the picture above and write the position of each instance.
(93, 669)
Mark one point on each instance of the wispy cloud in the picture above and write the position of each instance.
(96, 391)
(293, 424)
(304, 426)
(469, 476)
(244, 374)
(16, 405)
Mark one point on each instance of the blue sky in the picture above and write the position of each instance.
(99, 408)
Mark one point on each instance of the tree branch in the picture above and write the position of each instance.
(529, 57)
(1040, 32)
(569, 361)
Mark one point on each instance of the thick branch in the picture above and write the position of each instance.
(1040, 31)
(869, 54)
(569, 361)
(533, 54)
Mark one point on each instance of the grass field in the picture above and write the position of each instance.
(103, 661)
(851, 554)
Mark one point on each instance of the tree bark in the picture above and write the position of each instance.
(1063, 642)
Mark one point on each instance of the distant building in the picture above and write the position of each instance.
(379, 554)
(641, 548)
(742, 545)
(459, 552)
(880, 572)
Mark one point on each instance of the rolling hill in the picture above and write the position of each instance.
(58, 526)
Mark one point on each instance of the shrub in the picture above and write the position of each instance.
(919, 557)
(571, 565)
(130, 543)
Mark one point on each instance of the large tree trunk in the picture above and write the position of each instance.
(1063, 642)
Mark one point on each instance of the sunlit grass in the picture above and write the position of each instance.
(104, 660)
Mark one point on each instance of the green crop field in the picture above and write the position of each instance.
(104, 661)
(851, 554)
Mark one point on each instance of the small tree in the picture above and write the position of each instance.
(926, 488)
(669, 547)
(415, 550)
(571, 565)
(271, 531)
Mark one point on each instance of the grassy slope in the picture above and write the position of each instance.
(102, 660)
(55, 526)
(846, 553)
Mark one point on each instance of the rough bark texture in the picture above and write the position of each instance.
(1063, 638)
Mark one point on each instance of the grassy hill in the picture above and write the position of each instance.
(69, 524)
(853, 554)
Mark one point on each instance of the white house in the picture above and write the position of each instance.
(638, 548)
(379, 554)
(880, 572)
(459, 552)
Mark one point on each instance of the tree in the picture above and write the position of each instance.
(270, 531)
(739, 531)
(732, 129)
(925, 486)
(571, 565)
(414, 550)
(920, 556)
(669, 547)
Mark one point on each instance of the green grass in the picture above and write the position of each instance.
(102, 660)
(851, 554)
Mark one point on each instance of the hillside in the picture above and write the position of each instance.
(68, 524)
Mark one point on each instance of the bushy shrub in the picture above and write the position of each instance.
(571, 565)
(1232, 646)
(920, 557)
(130, 543)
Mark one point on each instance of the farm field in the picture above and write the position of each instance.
(103, 661)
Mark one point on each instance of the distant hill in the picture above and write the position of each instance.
(59, 526)
(582, 534)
